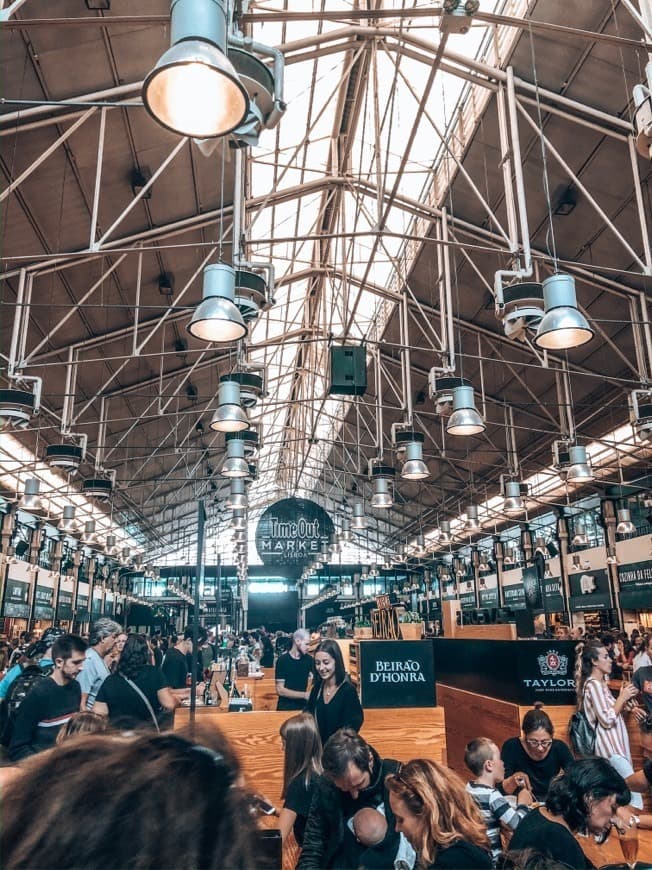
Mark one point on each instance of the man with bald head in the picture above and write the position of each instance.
(293, 671)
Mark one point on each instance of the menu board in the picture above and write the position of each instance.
(467, 595)
(635, 585)
(16, 599)
(514, 596)
(64, 604)
(589, 590)
(43, 603)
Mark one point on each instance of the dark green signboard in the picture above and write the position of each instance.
(82, 608)
(635, 585)
(488, 596)
(467, 595)
(64, 605)
(553, 598)
(108, 606)
(514, 596)
(291, 532)
(96, 605)
(43, 603)
(16, 600)
(589, 590)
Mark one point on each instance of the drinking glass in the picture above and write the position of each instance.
(628, 837)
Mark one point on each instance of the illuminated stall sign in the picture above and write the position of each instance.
(635, 585)
(16, 599)
(589, 590)
(291, 532)
(43, 603)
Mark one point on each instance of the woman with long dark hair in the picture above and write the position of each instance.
(333, 700)
(135, 694)
(584, 800)
(301, 768)
(439, 818)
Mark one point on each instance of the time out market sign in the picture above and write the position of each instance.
(291, 532)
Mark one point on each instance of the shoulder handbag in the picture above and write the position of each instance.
(144, 699)
(581, 733)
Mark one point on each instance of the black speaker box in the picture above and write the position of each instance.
(524, 623)
(348, 370)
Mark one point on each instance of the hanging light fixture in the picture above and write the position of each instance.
(359, 520)
(420, 545)
(579, 469)
(239, 522)
(625, 525)
(111, 546)
(472, 518)
(464, 420)
(513, 503)
(540, 546)
(230, 416)
(345, 534)
(580, 538)
(237, 498)
(563, 325)
(89, 537)
(235, 464)
(217, 318)
(31, 501)
(510, 556)
(444, 532)
(67, 523)
(381, 497)
(414, 468)
(194, 89)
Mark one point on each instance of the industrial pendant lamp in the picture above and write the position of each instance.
(563, 325)
(579, 469)
(472, 518)
(382, 497)
(230, 416)
(414, 468)
(580, 538)
(625, 525)
(444, 531)
(67, 523)
(237, 498)
(464, 420)
(359, 520)
(239, 522)
(235, 464)
(345, 535)
(194, 89)
(89, 538)
(31, 501)
(513, 503)
(217, 318)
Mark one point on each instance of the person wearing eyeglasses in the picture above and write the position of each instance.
(534, 760)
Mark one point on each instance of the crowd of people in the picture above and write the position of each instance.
(79, 711)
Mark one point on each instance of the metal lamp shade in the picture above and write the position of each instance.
(31, 501)
(472, 518)
(230, 416)
(580, 537)
(579, 470)
(464, 420)
(414, 468)
(239, 523)
(563, 325)
(359, 520)
(237, 498)
(67, 523)
(420, 545)
(381, 497)
(235, 464)
(444, 531)
(513, 503)
(346, 530)
(625, 525)
(194, 89)
(217, 317)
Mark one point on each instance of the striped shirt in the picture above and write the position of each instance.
(496, 811)
(611, 736)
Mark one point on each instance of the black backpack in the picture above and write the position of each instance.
(29, 676)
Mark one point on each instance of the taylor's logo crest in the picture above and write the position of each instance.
(552, 664)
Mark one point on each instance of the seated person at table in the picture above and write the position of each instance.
(534, 759)
(642, 679)
(482, 757)
(583, 800)
(641, 781)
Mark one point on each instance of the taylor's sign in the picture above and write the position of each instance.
(291, 532)
(397, 673)
(549, 674)
(635, 585)
(589, 590)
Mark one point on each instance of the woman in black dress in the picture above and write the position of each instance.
(300, 771)
(333, 700)
(584, 800)
(442, 822)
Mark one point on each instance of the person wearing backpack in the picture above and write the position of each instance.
(38, 654)
(50, 701)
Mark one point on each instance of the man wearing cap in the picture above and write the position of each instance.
(101, 641)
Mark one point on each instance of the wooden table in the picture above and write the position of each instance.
(609, 852)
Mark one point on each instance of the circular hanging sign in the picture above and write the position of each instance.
(291, 532)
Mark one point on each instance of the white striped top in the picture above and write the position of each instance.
(611, 736)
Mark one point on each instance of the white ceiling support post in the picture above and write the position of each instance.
(446, 295)
(96, 246)
(98, 178)
(44, 156)
(642, 18)
(5, 14)
(18, 321)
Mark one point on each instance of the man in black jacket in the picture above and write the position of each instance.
(354, 778)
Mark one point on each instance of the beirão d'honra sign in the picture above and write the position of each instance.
(291, 532)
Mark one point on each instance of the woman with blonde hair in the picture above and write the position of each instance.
(438, 817)
(302, 766)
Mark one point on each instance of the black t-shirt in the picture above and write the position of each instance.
(647, 770)
(298, 799)
(461, 855)
(642, 679)
(126, 708)
(539, 772)
(175, 668)
(551, 839)
(342, 711)
(295, 672)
